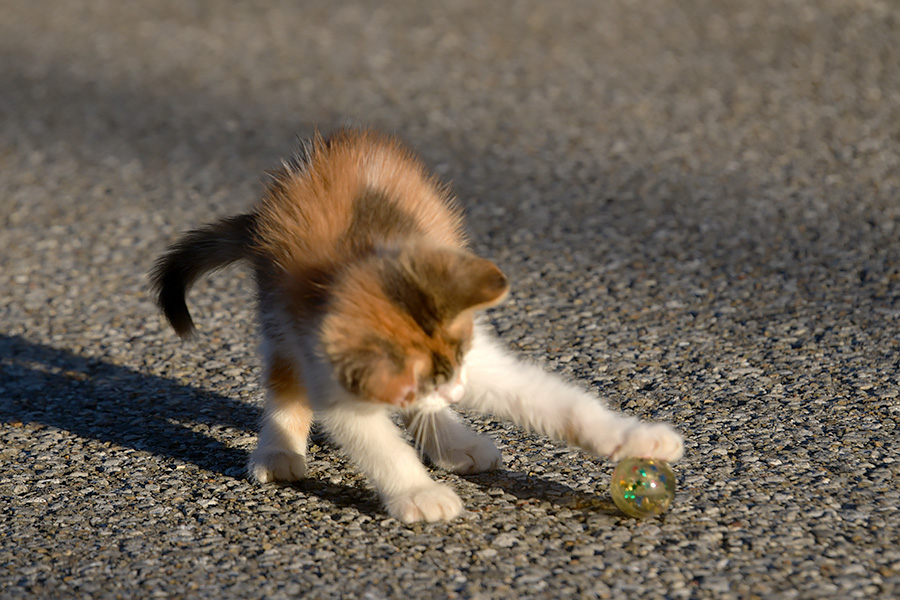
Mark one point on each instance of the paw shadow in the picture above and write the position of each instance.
(533, 489)
(342, 496)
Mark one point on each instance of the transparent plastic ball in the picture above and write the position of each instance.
(643, 487)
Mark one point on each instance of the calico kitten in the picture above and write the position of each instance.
(368, 296)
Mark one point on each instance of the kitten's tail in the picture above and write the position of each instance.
(196, 253)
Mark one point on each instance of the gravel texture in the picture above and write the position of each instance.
(698, 205)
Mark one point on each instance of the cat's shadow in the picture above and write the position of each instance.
(119, 406)
(45, 386)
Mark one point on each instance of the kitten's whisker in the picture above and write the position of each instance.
(432, 421)
(418, 437)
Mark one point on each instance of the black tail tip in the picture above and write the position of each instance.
(183, 325)
(174, 307)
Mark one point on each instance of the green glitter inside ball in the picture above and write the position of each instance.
(643, 487)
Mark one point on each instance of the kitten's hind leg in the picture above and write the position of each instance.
(543, 402)
(449, 443)
(281, 452)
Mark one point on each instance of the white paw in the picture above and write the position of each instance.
(474, 455)
(268, 465)
(651, 440)
(435, 502)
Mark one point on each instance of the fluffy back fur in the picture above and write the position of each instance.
(354, 244)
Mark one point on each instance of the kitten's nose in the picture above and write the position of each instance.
(452, 392)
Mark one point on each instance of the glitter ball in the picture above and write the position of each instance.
(643, 487)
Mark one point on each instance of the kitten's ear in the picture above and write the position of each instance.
(478, 284)
(437, 284)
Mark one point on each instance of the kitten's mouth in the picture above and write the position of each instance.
(441, 397)
(451, 393)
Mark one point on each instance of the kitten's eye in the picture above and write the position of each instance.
(462, 347)
(442, 369)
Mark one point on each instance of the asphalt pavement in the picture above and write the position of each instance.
(697, 204)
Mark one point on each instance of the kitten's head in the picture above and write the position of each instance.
(399, 324)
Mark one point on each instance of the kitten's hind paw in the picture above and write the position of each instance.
(268, 465)
(435, 502)
(651, 440)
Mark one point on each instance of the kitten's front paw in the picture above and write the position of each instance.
(435, 502)
(268, 465)
(651, 440)
(476, 455)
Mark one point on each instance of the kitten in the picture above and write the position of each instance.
(368, 296)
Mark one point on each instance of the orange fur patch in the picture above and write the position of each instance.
(302, 218)
(357, 233)
(288, 394)
(283, 379)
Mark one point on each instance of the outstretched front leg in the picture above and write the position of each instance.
(525, 394)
